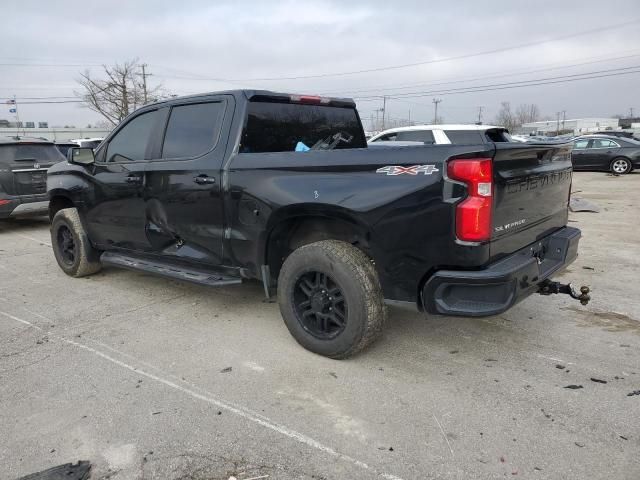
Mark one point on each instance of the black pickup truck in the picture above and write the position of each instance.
(217, 188)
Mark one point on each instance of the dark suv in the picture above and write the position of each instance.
(23, 175)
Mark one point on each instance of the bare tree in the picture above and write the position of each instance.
(527, 113)
(505, 117)
(122, 90)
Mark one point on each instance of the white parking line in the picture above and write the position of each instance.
(33, 239)
(260, 420)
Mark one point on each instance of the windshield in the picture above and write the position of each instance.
(39, 152)
(288, 127)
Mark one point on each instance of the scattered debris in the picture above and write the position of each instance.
(579, 204)
(219, 412)
(490, 360)
(623, 437)
(454, 351)
(618, 378)
(635, 392)
(226, 370)
(501, 459)
(573, 387)
(537, 469)
(391, 449)
(156, 413)
(560, 367)
(578, 444)
(597, 380)
(333, 374)
(548, 415)
(42, 340)
(624, 345)
(68, 471)
(588, 268)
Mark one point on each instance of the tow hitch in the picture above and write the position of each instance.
(549, 287)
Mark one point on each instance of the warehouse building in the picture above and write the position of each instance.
(577, 126)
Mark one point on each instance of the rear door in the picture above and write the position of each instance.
(531, 193)
(116, 212)
(183, 191)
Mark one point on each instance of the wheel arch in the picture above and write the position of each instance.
(294, 227)
(59, 199)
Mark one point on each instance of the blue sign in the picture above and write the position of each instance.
(12, 110)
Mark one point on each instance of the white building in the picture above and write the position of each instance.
(577, 125)
(55, 134)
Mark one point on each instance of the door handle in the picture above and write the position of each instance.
(134, 179)
(204, 179)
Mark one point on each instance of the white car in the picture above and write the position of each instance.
(87, 142)
(441, 135)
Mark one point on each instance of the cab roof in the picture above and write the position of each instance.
(18, 140)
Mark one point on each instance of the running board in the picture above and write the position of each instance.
(209, 279)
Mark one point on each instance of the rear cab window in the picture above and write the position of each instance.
(289, 127)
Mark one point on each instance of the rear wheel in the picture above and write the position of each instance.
(71, 246)
(330, 298)
(620, 165)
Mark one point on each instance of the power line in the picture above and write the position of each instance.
(438, 60)
(450, 80)
(547, 80)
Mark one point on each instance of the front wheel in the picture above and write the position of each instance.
(330, 298)
(620, 166)
(73, 251)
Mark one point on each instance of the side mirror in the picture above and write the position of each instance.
(81, 156)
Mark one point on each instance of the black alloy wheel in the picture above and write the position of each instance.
(320, 305)
(66, 245)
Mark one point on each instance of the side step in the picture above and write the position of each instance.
(175, 272)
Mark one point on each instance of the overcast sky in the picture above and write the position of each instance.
(198, 46)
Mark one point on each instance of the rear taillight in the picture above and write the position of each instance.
(473, 214)
(4, 202)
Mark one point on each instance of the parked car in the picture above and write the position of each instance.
(64, 147)
(88, 142)
(616, 133)
(23, 170)
(441, 135)
(224, 187)
(602, 152)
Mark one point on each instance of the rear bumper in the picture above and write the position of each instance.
(502, 284)
(24, 205)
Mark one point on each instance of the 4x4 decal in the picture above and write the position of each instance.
(412, 170)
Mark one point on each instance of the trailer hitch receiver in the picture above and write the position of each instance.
(549, 287)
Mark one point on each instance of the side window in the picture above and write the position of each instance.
(192, 130)
(416, 136)
(580, 144)
(465, 137)
(130, 143)
(611, 144)
(389, 137)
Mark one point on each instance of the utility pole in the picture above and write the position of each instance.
(409, 116)
(144, 82)
(564, 118)
(630, 112)
(384, 109)
(436, 101)
(480, 115)
(557, 123)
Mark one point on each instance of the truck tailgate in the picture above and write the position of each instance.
(532, 184)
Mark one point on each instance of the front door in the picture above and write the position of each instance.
(116, 213)
(183, 191)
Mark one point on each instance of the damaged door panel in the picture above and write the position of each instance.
(183, 195)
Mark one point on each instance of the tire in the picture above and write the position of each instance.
(620, 166)
(348, 316)
(71, 247)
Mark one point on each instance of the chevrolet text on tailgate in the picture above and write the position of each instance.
(224, 187)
